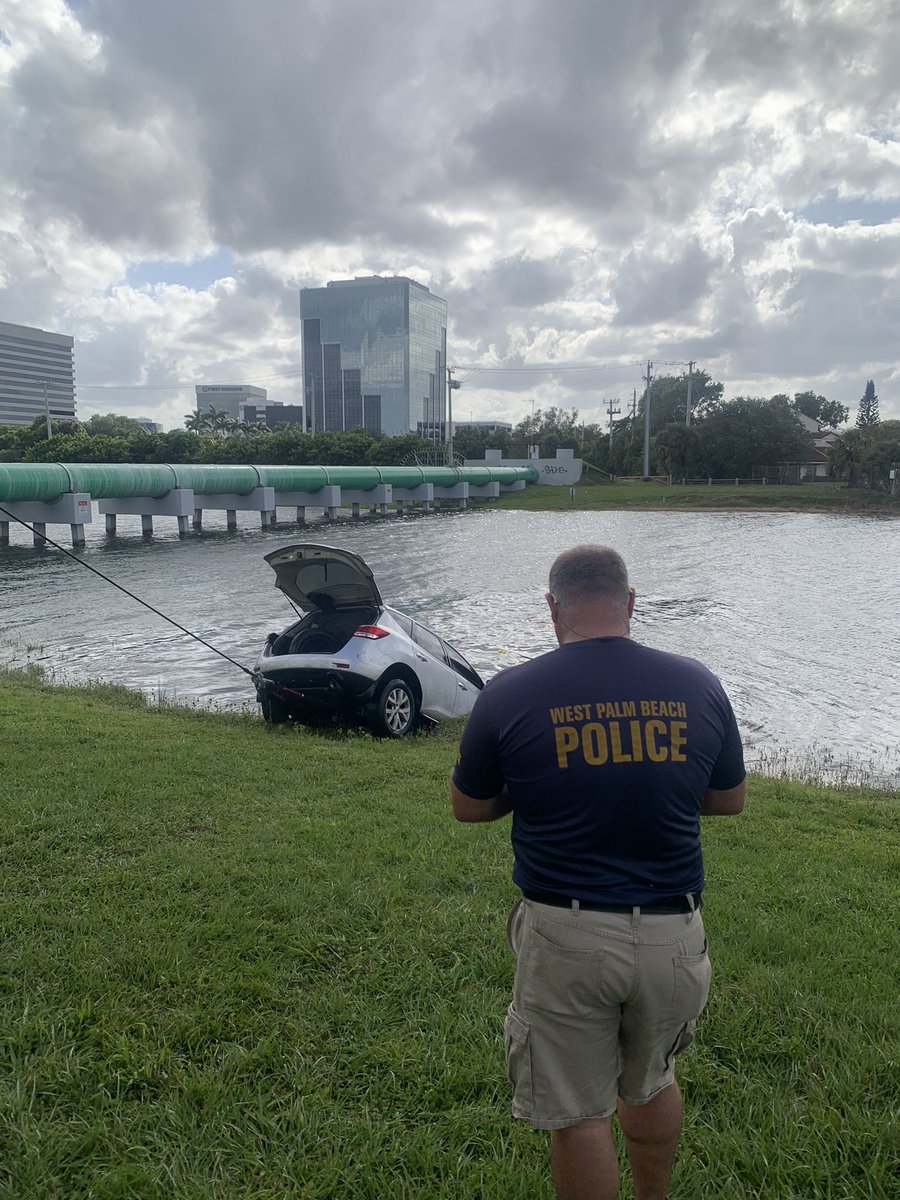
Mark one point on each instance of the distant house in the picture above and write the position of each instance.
(817, 466)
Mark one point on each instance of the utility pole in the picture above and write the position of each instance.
(612, 406)
(452, 386)
(43, 383)
(648, 379)
(687, 417)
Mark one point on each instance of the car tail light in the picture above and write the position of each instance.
(372, 632)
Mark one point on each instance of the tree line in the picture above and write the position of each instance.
(111, 438)
(726, 439)
(746, 437)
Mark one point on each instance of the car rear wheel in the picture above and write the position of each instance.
(396, 710)
(274, 710)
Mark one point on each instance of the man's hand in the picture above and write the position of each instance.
(724, 803)
(467, 808)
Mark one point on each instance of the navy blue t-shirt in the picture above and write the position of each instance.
(606, 748)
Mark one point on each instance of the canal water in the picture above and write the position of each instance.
(797, 613)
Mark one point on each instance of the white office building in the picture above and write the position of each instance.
(229, 397)
(37, 373)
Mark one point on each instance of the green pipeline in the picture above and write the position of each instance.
(103, 481)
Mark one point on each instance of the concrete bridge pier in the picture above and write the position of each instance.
(327, 498)
(484, 491)
(423, 494)
(457, 491)
(178, 503)
(260, 499)
(378, 497)
(71, 508)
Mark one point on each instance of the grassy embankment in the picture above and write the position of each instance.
(241, 963)
(812, 497)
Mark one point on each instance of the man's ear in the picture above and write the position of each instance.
(631, 598)
(553, 606)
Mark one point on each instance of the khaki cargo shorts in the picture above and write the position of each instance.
(602, 1003)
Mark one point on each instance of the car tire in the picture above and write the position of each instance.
(274, 710)
(396, 709)
(314, 641)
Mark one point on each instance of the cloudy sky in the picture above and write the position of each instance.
(589, 184)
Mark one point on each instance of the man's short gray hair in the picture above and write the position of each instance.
(589, 573)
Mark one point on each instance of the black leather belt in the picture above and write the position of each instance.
(672, 904)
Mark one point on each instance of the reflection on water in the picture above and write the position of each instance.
(796, 613)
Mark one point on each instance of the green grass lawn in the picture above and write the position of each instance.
(812, 497)
(243, 963)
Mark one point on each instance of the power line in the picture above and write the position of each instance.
(296, 372)
(548, 368)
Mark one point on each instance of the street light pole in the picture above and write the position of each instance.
(452, 385)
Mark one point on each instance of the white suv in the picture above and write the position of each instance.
(350, 656)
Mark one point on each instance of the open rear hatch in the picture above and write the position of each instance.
(323, 578)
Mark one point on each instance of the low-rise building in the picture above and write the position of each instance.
(37, 374)
(491, 426)
(228, 397)
(272, 415)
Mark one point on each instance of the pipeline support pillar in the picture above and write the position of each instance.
(71, 508)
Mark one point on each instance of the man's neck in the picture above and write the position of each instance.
(566, 633)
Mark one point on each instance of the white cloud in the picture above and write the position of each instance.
(586, 182)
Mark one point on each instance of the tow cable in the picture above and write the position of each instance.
(278, 690)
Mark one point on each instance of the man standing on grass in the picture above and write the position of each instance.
(607, 753)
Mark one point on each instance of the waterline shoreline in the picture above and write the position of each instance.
(815, 767)
(657, 497)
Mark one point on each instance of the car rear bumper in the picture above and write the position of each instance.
(319, 689)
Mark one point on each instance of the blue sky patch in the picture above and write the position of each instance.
(831, 210)
(197, 275)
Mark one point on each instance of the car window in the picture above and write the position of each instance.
(403, 621)
(429, 641)
(460, 666)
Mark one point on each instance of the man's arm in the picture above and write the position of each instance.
(467, 808)
(727, 803)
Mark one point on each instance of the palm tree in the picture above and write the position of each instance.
(211, 420)
(220, 422)
(195, 422)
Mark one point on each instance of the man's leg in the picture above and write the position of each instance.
(584, 1162)
(651, 1135)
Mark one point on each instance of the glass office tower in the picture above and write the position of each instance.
(37, 374)
(375, 356)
